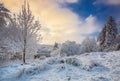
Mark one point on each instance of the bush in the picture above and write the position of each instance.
(89, 45)
(73, 61)
(70, 48)
(55, 53)
(88, 65)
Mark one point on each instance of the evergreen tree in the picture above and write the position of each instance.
(118, 38)
(107, 37)
(101, 38)
(111, 32)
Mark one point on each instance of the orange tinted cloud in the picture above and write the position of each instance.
(58, 23)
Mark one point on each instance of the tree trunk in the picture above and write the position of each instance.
(24, 48)
(24, 52)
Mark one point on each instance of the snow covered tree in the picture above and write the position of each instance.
(107, 37)
(117, 46)
(19, 32)
(27, 29)
(111, 32)
(4, 18)
(101, 39)
(89, 45)
(4, 14)
(118, 38)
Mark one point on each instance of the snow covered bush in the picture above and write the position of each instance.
(89, 45)
(70, 48)
(73, 61)
(43, 51)
(89, 64)
(55, 53)
(37, 68)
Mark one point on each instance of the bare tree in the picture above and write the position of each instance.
(27, 28)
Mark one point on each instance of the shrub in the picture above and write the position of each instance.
(70, 48)
(89, 45)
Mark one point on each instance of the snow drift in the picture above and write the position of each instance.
(99, 66)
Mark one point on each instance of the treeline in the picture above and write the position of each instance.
(107, 40)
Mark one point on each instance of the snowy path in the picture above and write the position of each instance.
(87, 67)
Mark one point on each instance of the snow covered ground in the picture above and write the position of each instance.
(99, 66)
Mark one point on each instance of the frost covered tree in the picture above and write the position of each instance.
(118, 38)
(4, 18)
(111, 32)
(30, 28)
(117, 47)
(107, 37)
(27, 29)
(19, 32)
(89, 45)
(101, 39)
(4, 15)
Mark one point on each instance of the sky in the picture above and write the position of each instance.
(73, 20)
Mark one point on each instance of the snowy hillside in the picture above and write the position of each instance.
(86, 67)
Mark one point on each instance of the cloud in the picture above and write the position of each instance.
(58, 23)
(88, 26)
(67, 1)
(109, 2)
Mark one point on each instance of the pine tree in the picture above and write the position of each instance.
(101, 39)
(107, 37)
(111, 31)
(118, 38)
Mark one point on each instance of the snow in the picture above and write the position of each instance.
(95, 66)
